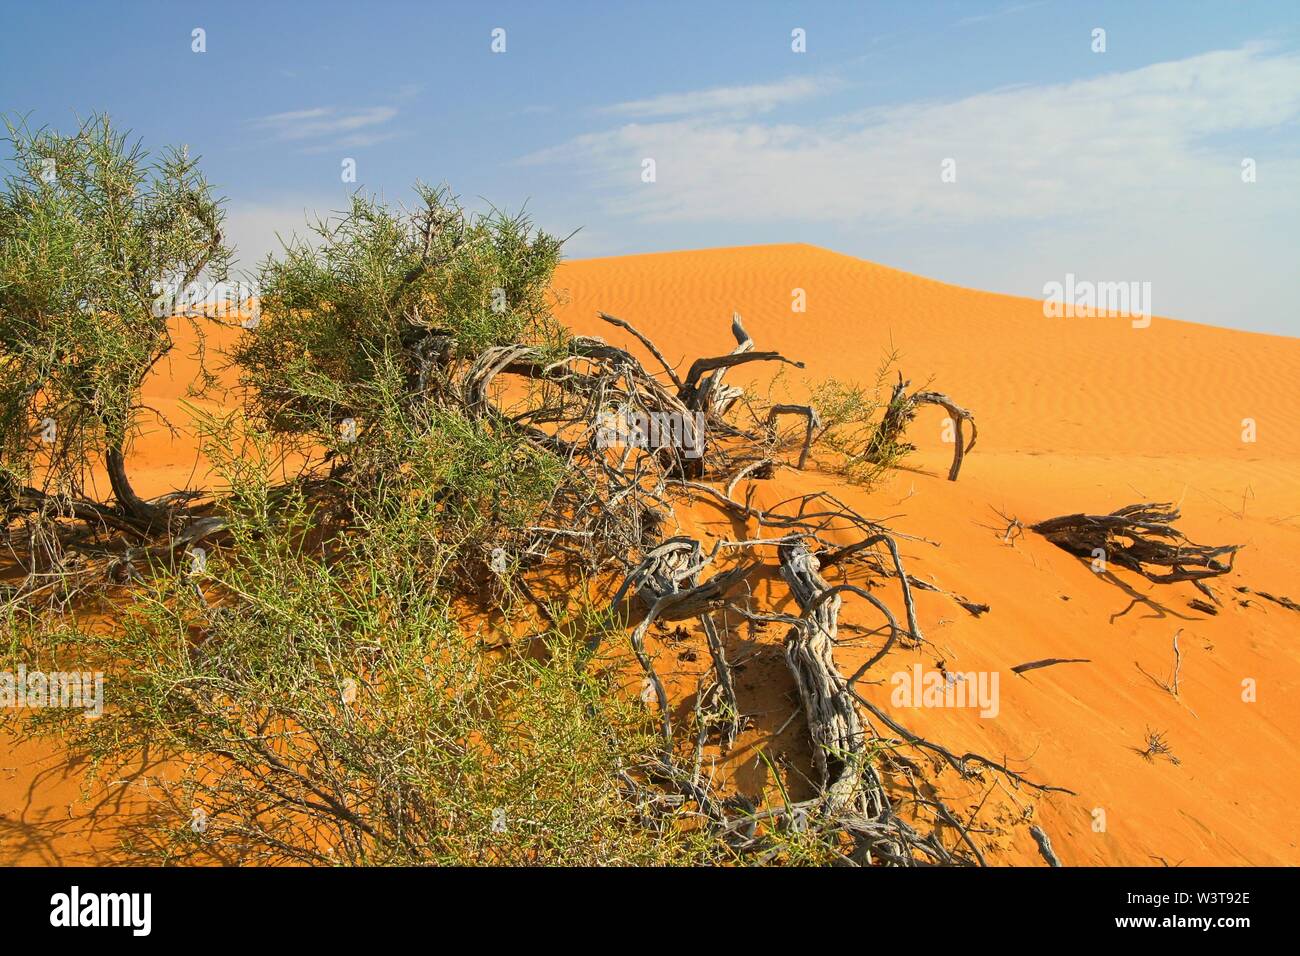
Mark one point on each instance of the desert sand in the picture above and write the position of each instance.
(1074, 414)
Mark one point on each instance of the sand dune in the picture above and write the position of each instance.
(1074, 414)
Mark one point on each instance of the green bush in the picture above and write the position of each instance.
(851, 414)
(374, 310)
(312, 685)
(92, 234)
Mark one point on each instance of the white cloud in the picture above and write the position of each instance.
(1032, 152)
(999, 14)
(734, 100)
(322, 121)
(1135, 172)
(354, 141)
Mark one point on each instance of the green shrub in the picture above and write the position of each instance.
(371, 313)
(850, 424)
(93, 233)
(318, 702)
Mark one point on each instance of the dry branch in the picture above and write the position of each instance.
(1044, 846)
(1282, 600)
(813, 423)
(889, 436)
(1142, 538)
(959, 417)
(1048, 662)
(667, 583)
(833, 721)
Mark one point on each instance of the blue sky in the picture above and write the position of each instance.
(1116, 166)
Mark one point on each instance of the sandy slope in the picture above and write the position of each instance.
(1074, 414)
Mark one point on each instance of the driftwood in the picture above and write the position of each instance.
(1141, 538)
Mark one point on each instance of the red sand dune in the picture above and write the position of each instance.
(1078, 414)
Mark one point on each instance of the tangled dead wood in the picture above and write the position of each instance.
(1142, 538)
(608, 513)
(669, 582)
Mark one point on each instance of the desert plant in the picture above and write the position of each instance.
(95, 237)
(312, 678)
(368, 317)
(1156, 744)
(319, 703)
(850, 414)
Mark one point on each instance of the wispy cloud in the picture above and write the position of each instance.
(734, 100)
(1138, 139)
(353, 141)
(1128, 175)
(999, 14)
(326, 121)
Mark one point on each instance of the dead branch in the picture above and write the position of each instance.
(839, 737)
(813, 423)
(1283, 600)
(960, 764)
(644, 340)
(959, 417)
(1048, 662)
(1044, 846)
(1142, 538)
(667, 582)
(889, 436)
(1170, 686)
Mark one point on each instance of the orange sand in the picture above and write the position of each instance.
(1074, 414)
